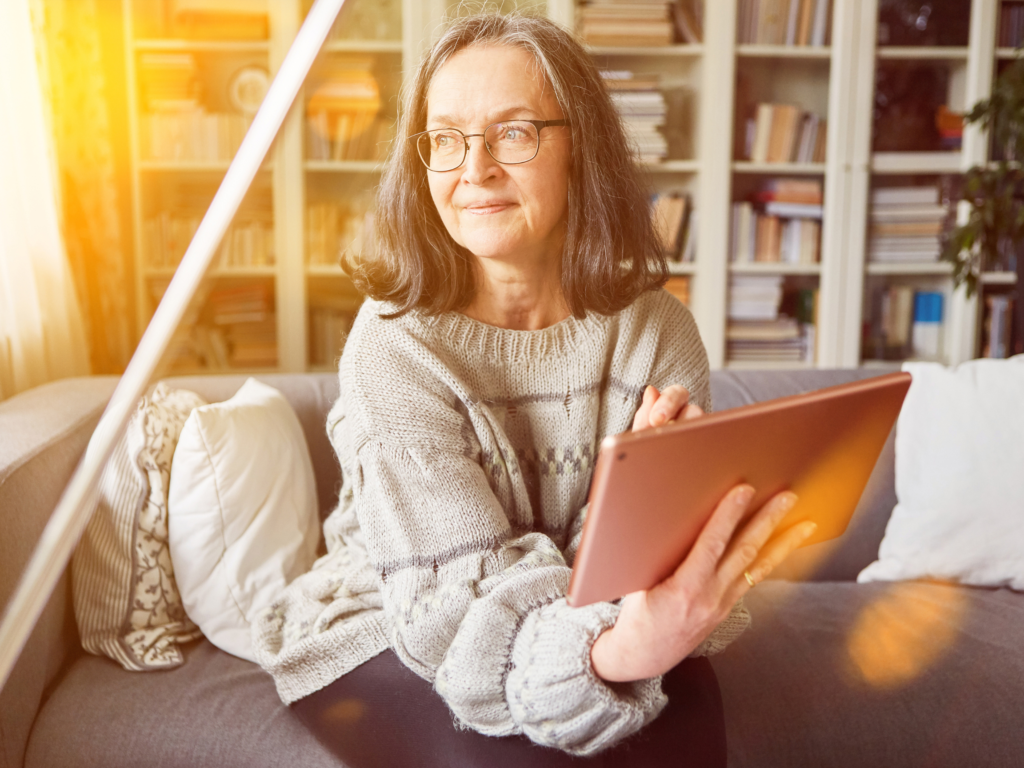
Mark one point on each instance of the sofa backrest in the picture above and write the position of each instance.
(843, 558)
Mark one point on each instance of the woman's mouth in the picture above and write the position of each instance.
(487, 207)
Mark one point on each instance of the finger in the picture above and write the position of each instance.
(746, 545)
(779, 548)
(672, 401)
(717, 532)
(692, 412)
(642, 419)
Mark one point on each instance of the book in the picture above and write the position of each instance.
(917, 195)
(997, 327)
(782, 133)
(669, 212)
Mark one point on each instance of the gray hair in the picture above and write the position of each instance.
(611, 253)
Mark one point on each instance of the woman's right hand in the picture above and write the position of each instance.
(659, 627)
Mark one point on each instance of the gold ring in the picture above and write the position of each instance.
(749, 578)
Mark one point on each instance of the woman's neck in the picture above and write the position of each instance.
(509, 296)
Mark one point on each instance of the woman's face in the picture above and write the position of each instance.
(511, 213)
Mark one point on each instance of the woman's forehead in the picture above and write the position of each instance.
(489, 83)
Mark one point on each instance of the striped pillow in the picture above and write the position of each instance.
(126, 602)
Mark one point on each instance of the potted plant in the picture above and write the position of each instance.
(993, 235)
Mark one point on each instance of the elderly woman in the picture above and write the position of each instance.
(515, 320)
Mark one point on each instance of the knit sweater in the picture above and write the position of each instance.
(467, 453)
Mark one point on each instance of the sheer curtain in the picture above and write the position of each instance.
(41, 332)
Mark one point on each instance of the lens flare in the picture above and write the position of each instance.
(904, 632)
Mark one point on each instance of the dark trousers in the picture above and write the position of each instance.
(381, 715)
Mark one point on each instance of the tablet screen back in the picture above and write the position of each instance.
(653, 491)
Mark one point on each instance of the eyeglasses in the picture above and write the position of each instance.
(510, 143)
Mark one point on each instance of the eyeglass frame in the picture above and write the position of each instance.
(540, 125)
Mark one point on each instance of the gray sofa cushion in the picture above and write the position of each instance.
(946, 661)
(215, 710)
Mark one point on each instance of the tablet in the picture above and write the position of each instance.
(653, 490)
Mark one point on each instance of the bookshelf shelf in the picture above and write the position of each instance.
(999, 278)
(923, 53)
(344, 166)
(774, 268)
(751, 51)
(681, 50)
(186, 46)
(882, 365)
(936, 268)
(174, 166)
(916, 162)
(1008, 54)
(325, 270)
(682, 268)
(745, 166)
(673, 166)
(763, 365)
(217, 272)
(363, 46)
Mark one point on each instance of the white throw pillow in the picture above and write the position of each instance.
(243, 511)
(959, 478)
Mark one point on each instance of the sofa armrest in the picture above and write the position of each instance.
(43, 433)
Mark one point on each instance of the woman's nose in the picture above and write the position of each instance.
(479, 165)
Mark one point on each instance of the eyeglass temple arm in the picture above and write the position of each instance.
(72, 513)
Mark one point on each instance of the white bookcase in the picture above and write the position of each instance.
(835, 80)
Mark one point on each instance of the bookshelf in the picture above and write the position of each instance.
(835, 77)
(182, 62)
(307, 295)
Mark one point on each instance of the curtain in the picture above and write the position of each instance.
(41, 336)
(82, 76)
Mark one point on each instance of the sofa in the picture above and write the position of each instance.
(832, 672)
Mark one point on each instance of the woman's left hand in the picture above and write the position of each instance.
(660, 408)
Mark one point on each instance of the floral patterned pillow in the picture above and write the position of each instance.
(126, 602)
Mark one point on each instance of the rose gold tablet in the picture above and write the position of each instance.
(653, 491)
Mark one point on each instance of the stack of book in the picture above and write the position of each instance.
(363, 20)
(903, 321)
(169, 81)
(676, 223)
(334, 229)
(783, 133)
(604, 22)
(757, 332)
(783, 22)
(642, 108)
(243, 317)
(1011, 25)
(342, 115)
(249, 242)
(176, 127)
(330, 320)
(906, 225)
(782, 223)
(220, 19)
(193, 136)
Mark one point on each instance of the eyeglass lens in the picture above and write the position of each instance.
(513, 142)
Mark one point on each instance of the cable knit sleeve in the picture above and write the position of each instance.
(481, 611)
